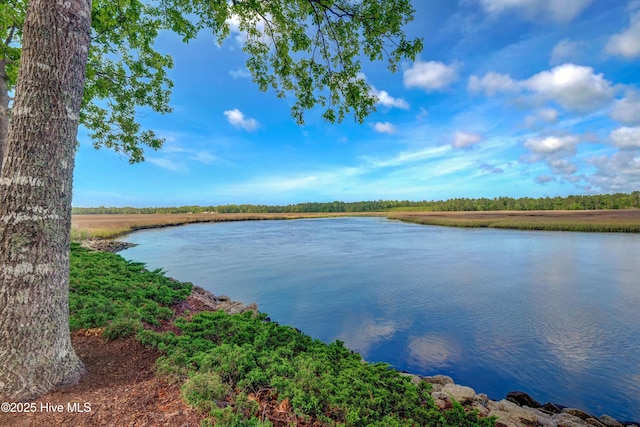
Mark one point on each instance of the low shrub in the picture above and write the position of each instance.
(104, 288)
(325, 382)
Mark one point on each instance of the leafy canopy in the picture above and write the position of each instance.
(311, 49)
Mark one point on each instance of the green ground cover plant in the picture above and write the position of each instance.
(229, 363)
(221, 355)
(105, 290)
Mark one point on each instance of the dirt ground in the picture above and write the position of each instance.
(118, 389)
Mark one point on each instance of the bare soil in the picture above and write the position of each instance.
(119, 388)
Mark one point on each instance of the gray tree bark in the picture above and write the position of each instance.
(4, 108)
(35, 201)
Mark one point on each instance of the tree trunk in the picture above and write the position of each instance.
(35, 201)
(4, 108)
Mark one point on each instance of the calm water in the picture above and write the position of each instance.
(553, 314)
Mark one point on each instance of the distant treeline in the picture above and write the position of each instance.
(600, 201)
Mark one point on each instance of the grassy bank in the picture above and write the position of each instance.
(234, 368)
(628, 220)
(623, 221)
(114, 225)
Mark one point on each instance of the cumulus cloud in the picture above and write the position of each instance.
(384, 98)
(627, 109)
(492, 83)
(561, 11)
(626, 138)
(562, 167)
(552, 145)
(549, 115)
(430, 76)
(238, 120)
(565, 50)
(389, 101)
(465, 139)
(556, 151)
(617, 173)
(576, 88)
(546, 115)
(385, 127)
(627, 42)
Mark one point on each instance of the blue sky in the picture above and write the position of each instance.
(520, 98)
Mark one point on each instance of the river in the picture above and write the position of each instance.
(553, 314)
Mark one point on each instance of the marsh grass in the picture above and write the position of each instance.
(627, 221)
(85, 227)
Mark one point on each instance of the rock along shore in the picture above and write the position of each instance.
(106, 245)
(517, 410)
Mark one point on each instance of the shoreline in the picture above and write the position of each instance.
(110, 226)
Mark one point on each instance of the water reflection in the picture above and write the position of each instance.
(432, 352)
(361, 333)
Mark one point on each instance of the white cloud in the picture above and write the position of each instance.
(384, 98)
(404, 158)
(546, 115)
(565, 50)
(618, 173)
(556, 151)
(549, 115)
(492, 83)
(627, 109)
(552, 145)
(240, 73)
(561, 11)
(465, 139)
(166, 164)
(389, 101)
(574, 87)
(238, 120)
(626, 138)
(562, 167)
(203, 157)
(430, 76)
(627, 42)
(385, 127)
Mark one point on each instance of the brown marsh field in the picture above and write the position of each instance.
(628, 220)
(106, 226)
